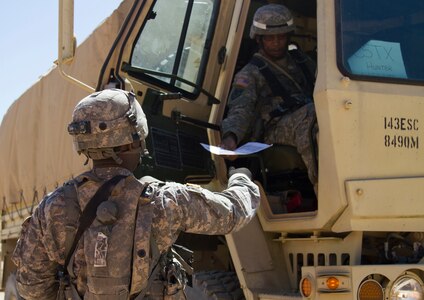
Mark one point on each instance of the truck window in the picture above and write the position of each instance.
(175, 41)
(381, 40)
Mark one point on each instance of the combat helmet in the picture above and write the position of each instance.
(105, 120)
(271, 19)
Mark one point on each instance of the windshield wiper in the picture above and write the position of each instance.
(127, 68)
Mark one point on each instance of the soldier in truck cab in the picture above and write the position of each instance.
(271, 97)
(105, 234)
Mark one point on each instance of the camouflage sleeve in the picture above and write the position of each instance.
(38, 250)
(193, 209)
(241, 104)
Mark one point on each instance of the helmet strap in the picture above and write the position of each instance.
(116, 158)
(87, 160)
(102, 153)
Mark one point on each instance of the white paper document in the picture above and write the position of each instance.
(248, 148)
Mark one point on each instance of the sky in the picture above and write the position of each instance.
(29, 34)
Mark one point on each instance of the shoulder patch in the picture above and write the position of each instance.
(241, 81)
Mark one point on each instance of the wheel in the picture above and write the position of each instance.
(11, 292)
(216, 285)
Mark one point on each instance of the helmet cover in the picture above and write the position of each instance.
(272, 19)
(107, 119)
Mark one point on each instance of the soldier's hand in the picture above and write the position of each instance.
(229, 142)
(245, 171)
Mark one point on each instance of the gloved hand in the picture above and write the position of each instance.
(245, 171)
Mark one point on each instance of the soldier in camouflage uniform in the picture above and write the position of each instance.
(271, 97)
(115, 256)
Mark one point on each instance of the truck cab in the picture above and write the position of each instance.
(368, 99)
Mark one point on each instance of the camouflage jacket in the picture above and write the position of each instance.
(251, 99)
(171, 208)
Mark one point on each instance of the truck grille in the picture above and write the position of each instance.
(320, 251)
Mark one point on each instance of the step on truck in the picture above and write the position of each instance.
(362, 235)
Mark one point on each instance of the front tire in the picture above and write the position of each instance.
(217, 285)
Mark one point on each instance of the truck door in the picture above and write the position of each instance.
(169, 60)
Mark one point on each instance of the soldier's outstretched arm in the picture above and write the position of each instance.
(38, 250)
(193, 209)
(241, 105)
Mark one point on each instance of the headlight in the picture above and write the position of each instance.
(408, 286)
(370, 289)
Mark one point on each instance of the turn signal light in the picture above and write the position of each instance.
(332, 283)
(306, 287)
(370, 290)
(340, 283)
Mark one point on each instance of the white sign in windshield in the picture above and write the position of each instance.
(378, 58)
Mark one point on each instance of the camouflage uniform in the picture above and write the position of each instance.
(251, 101)
(116, 253)
(172, 208)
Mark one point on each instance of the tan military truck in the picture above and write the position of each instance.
(361, 238)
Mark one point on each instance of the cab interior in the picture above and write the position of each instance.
(175, 136)
(280, 168)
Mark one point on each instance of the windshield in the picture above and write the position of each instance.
(381, 40)
(175, 40)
